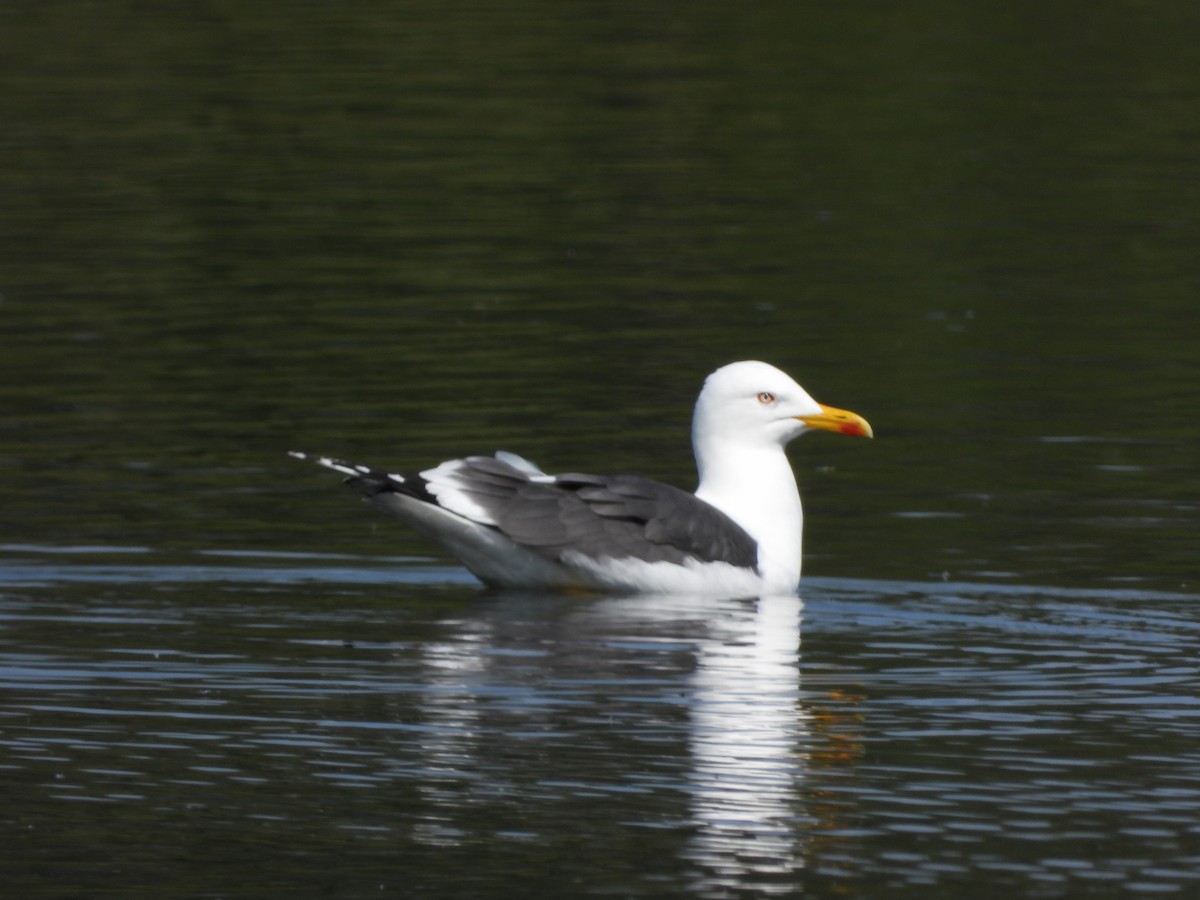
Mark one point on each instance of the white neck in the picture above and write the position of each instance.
(754, 485)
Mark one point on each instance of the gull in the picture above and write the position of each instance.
(517, 527)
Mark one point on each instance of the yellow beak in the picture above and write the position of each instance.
(840, 420)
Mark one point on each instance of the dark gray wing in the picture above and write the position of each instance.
(623, 516)
(598, 516)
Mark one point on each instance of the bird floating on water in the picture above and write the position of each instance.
(739, 534)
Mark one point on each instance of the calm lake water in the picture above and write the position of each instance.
(406, 234)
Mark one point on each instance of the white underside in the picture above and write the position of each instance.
(711, 578)
(499, 562)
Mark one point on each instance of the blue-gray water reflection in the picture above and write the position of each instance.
(446, 742)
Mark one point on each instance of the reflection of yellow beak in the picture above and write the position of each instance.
(831, 419)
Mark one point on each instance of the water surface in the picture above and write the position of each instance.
(339, 728)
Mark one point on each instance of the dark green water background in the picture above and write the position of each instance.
(402, 232)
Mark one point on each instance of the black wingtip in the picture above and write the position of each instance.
(368, 481)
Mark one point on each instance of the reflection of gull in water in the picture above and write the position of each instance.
(449, 738)
(554, 717)
(747, 731)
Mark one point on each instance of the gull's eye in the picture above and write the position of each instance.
(766, 398)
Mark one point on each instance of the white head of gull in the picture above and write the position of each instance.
(514, 526)
(746, 415)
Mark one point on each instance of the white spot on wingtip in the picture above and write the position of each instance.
(330, 463)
